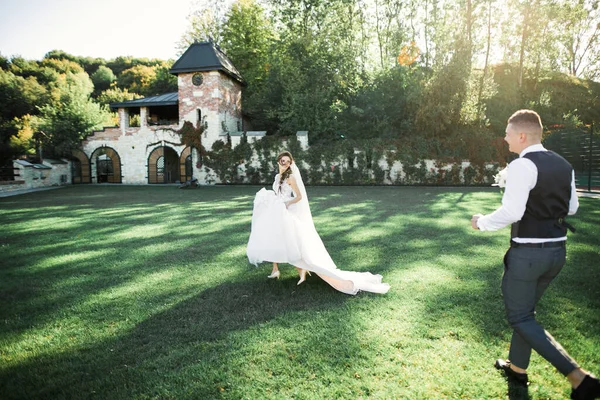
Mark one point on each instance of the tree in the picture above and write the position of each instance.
(102, 79)
(389, 33)
(23, 142)
(89, 64)
(488, 48)
(205, 24)
(163, 82)
(579, 37)
(4, 63)
(247, 39)
(116, 95)
(61, 65)
(137, 79)
(19, 96)
(72, 115)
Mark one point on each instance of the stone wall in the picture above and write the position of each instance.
(425, 172)
(219, 100)
(133, 148)
(9, 186)
(46, 174)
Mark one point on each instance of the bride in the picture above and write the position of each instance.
(283, 232)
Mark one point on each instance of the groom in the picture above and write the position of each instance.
(539, 194)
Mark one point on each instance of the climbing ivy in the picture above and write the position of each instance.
(343, 162)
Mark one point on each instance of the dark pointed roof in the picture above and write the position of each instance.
(206, 56)
(167, 99)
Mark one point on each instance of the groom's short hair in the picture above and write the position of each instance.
(527, 121)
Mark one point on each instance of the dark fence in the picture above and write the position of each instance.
(581, 147)
(8, 173)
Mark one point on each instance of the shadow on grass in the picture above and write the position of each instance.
(195, 338)
(60, 256)
(477, 294)
(189, 348)
(516, 391)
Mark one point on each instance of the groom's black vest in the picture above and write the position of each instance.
(548, 202)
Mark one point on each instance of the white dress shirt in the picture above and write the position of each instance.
(520, 180)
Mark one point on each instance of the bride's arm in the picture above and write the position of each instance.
(298, 196)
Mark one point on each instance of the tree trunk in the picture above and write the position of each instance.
(426, 34)
(487, 58)
(469, 26)
(523, 41)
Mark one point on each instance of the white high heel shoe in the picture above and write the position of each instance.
(303, 276)
(274, 275)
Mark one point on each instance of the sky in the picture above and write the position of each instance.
(94, 28)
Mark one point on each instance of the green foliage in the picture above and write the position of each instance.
(344, 162)
(116, 95)
(72, 115)
(62, 66)
(337, 68)
(138, 78)
(554, 95)
(4, 62)
(247, 37)
(311, 67)
(58, 87)
(19, 96)
(102, 78)
(163, 82)
(443, 99)
(206, 23)
(386, 108)
(89, 64)
(23, 141)
(120, 64)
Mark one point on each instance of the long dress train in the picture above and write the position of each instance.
(288, 235)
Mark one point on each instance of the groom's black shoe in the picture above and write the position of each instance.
(588, 389)
(510, 373)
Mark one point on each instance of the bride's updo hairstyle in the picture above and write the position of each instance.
(285, 174)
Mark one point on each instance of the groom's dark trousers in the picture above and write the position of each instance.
(527, 273)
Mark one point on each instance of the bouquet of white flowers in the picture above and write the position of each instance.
(500, 178)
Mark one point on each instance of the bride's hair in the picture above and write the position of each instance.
(285, 174)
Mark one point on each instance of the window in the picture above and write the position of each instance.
(105, 165)
(160, 165)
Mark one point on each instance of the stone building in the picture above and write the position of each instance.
(209, 93)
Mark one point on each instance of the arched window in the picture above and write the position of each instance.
(163, 165)
(80, 167)
(108, 165)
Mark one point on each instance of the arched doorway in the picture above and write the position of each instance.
(163, 165)
(80, 167)
(185, 165)
(108, 165)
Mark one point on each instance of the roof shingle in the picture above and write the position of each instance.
(206, 56)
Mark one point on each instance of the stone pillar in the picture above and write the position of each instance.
(123, 119)
(143, 117)
(302, 137)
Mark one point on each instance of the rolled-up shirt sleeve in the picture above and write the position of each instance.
(521, 178)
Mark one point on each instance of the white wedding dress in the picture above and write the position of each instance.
(288, 235)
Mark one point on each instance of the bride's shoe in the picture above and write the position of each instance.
(303, 276)
(274, 275)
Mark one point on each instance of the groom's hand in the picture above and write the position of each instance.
(474, 219)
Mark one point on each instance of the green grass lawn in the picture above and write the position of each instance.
(118, 292)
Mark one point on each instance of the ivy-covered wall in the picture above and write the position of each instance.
(369, 162)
